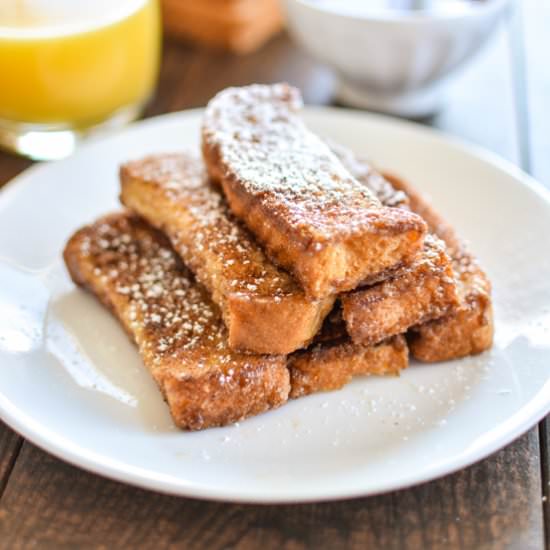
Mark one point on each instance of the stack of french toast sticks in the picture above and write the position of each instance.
(275, 266)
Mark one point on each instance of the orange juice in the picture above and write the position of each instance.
(76, 63)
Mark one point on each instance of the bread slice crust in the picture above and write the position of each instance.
(468, 329)
(419, 292)
(330, 365)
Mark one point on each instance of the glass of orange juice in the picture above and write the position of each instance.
(71, 67)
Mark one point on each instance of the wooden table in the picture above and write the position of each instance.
(499, 103)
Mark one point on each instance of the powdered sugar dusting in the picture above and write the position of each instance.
(167, 312)
(265, 146)
(219, 249)
(367, 175)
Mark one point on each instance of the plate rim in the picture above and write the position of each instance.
(117, 471)
(500, 436)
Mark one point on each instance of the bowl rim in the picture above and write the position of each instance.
(487, 7)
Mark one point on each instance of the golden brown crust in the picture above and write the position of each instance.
(181, 338)
(326, 366)
(467, 331)
(419, 292)
(294, 194)
(134, 271)
(264, 308)
(469, 328)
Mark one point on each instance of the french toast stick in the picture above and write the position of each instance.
(179, 332)
(330, 365)
(469, 327)
(264, 308)
(310, 214)
(421, 291)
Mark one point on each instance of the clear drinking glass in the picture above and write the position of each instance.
(71, 67)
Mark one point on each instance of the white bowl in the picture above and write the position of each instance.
(390, 60)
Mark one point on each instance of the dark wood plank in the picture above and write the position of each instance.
(190, 77)
(49, 504)
(531, 23)
(10, 166)
(10, 445)
(494, 504)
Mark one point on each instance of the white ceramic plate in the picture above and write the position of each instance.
(71, 382)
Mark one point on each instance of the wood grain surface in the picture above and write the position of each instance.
(497, 503)
(48, 504)
(10, 445)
